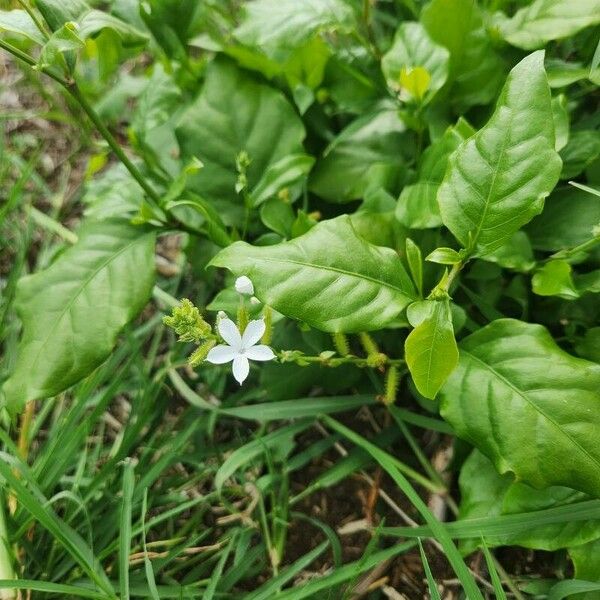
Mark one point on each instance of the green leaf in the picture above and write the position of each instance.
(366, 155)
(555, 279)
(94, 22)
(544, 20)
(18, 21)
(329, 277)
(486, 493)
(430, 348)
(568, 219)
(414, 258)
(527, 405)
(586, 560)
(582, 149)
(73, 311)
(516, 254)
(273, 24)
(234, 113)
(285, 172)
(170, 22)
(445, 256)
(413, 48)
(58, 12)
(417, 206)
(476, 70)
(497, 180)
(278, 216)
(62, 42)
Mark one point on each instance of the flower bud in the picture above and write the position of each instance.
(244, 286)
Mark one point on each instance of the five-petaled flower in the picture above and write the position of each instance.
(240, 348)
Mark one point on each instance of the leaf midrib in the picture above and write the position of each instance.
(523, 395)
(336, 270)
(112, 257)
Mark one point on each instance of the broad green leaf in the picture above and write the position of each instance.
(586, 560)
(112, 194)
(58, 12)
(527, 405)
(497, 180)
(18, 21)
(90, 21)
(568, 219)
(588, 282)
(486, 493)
(516, 254)
(235, 113)
(73, 311)
(430, 348)
(544, 20)
(279, 176)
(413, 48)
(476, 70)
(329, 277)
(278, 216)
(94, 22)
(582, 149)
(417, 206)
(273, 24)
(170, 22)
(555, 279)
(589, 346)
(368, 154)
(562, 73)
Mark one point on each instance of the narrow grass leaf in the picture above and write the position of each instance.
(125, 533)
(433, 590)
(438, 529)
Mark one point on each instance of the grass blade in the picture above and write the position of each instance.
(433, 589)
(125, 534)
(437, 528)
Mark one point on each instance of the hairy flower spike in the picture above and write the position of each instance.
(340, 341)
(391, 385)
(188, 323)
(201, 353)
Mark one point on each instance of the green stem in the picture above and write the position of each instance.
(6, 567)
(71, 87)
(583, 247)
(38, 23)
(112, 142)
(287, 356)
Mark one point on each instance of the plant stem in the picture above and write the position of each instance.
(73, 90)
(6, 568)
(112, 142)
(287, 356)
(583, 247)
(38, 23)
(25, 426)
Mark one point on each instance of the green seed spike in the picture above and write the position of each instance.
(242, 317)
(268, 316)
(340, 341)
(368, 343)
(391, 385)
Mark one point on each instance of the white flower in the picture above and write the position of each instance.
(240, 348)
(243, 285)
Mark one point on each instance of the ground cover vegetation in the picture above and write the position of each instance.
(299, 299)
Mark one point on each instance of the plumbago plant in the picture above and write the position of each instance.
(418, 179)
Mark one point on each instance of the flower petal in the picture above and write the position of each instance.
(221, 354)
(260, 352)
(241, 368)
(253, 332)
(230, 333)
